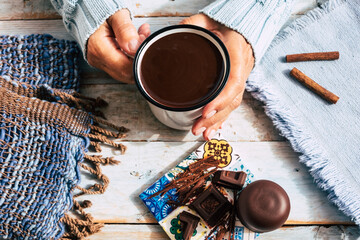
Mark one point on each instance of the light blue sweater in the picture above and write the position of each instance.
(257, 20)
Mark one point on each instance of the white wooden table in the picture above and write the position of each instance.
(153, 148)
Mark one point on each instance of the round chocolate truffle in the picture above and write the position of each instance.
(263, 206)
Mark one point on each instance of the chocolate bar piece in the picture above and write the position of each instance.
(188, 224)
(211, 205)
(229, 179)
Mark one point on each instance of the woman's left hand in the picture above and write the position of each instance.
(242, 62)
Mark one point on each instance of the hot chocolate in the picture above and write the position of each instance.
(181, 70)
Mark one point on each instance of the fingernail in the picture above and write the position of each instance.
(210, 114)
(133, 45)
(211, 135)
(200, 131)
(222, 125)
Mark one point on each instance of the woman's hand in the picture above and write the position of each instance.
(242, 62)
(110, 46)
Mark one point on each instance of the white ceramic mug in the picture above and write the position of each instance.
(180, 118)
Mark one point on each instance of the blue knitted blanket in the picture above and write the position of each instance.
(40, 59)
(327, 136)
(44, 138)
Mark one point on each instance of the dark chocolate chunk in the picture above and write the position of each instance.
(188, 224)
(211, 205)
(263, 206)
(229, 179)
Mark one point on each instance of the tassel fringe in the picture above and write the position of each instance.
(82, 225)
(80, 102)
(80, 228)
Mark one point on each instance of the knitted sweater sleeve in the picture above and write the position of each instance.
(83, 17)
(257, 20)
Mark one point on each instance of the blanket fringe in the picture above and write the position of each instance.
(100, 159)
(79, 101)
(106, 132)
(104, 139)
(79, 229)
(324, 171)
(82, 225)
(111, 125)
(99, 102)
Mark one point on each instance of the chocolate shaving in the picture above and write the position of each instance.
(226, 224)
(190, 183)
(221, 226)
(191, 180)
(204, 163)
(193, 190)
(173, 203)
(199, 182)
(221, 232)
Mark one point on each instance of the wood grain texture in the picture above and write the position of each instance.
(129, 108)
(42, 9)
(155, 232)
(145, 162)
(147, 159)
(126, 232)
(57, 29)
(27, 9)
(25, 27)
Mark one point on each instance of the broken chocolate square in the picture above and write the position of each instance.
(211, 205)
(229, 179)
(188, 224)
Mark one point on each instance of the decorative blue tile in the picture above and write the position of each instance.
(158, 205)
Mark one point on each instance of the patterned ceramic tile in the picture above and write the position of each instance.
(168, 217)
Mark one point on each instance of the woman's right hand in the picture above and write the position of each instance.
(110, 46)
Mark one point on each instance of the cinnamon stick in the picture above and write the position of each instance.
(313, 86)
(312, 56)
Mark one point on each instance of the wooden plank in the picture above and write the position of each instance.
(27, 9)
(129, 108)
(133, 232)
(155, 232)
(42, 9)
(57, 29)
(314, 232)
(25, 27)
(145, 162)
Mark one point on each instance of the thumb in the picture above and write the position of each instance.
(125, 32)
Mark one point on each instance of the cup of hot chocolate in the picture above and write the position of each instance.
(179, 69)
